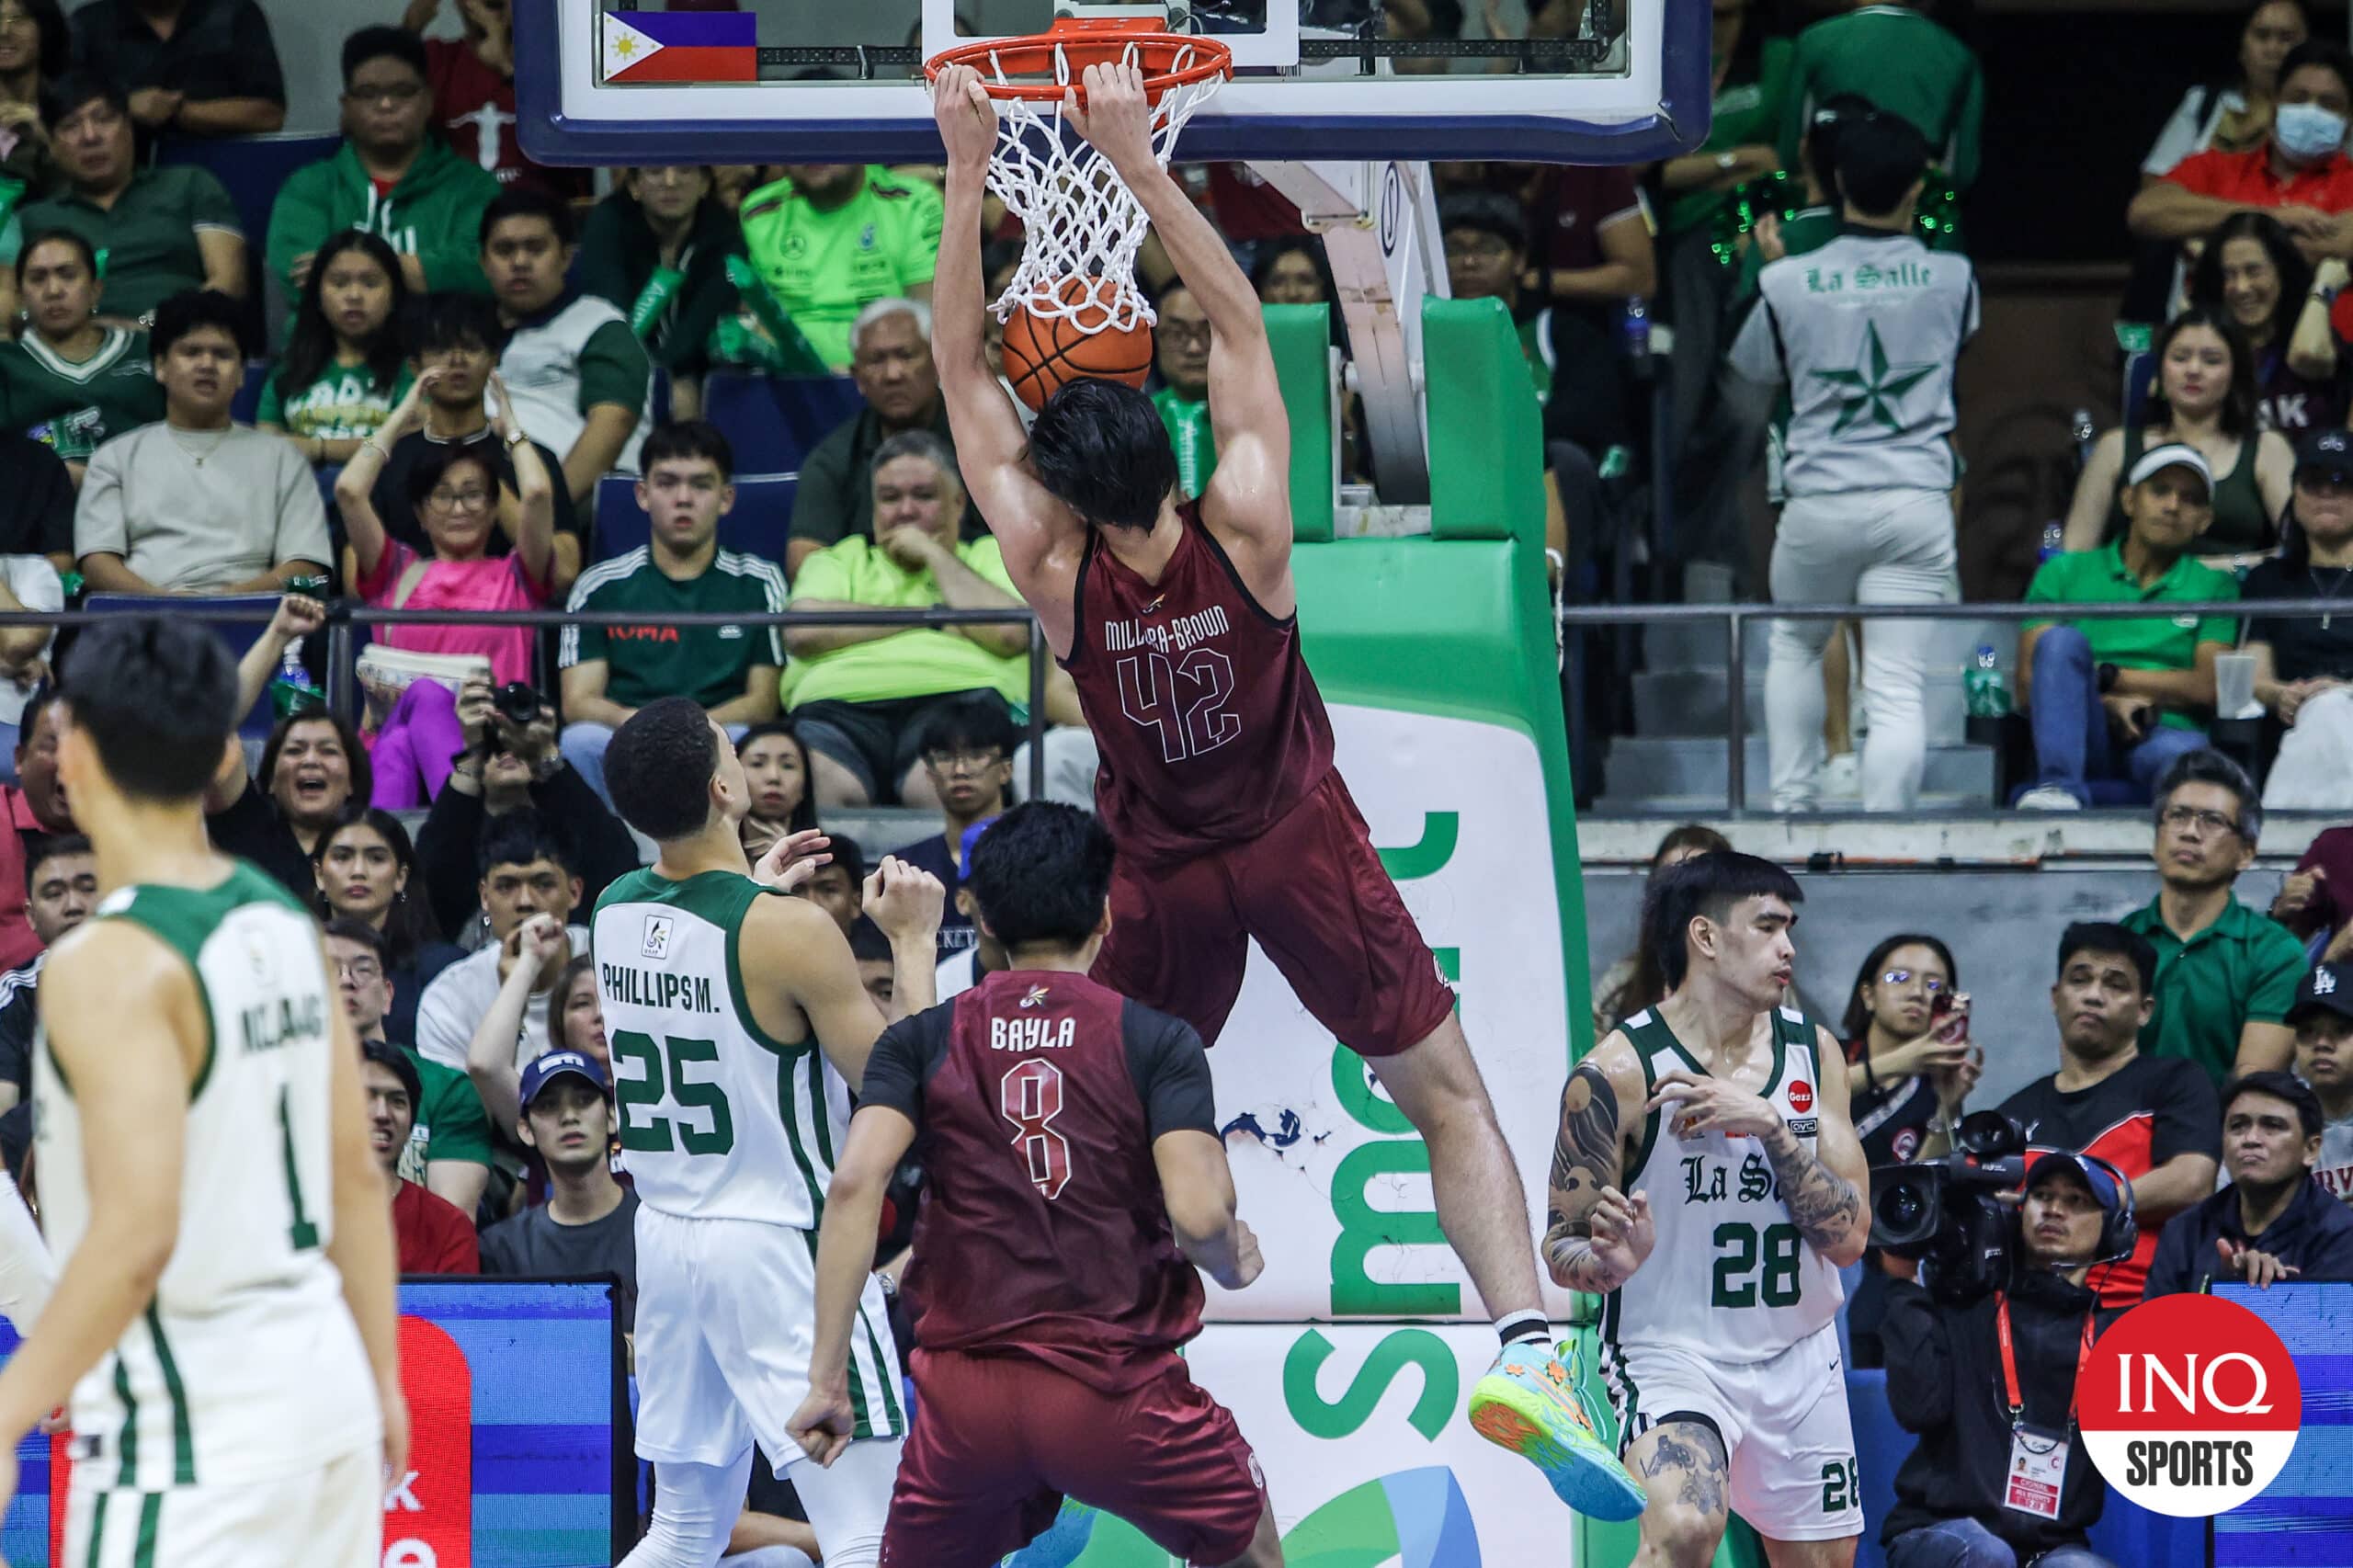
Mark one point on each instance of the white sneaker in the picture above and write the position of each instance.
(2049, 798)
(1842, 776)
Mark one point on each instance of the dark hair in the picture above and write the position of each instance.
(157, 695)
(40, 848)
(1041, 873)
(521, 838)
(1099, 447)
(528, 202)
(310, 341)
(804, 815)
(2210, 766)
(850, 855)
(73, 90)
(1819, 147)
(367, 935)
(969, 723)
(1691, 835)
(192, 310)
(2295, 272)
(1881, 156)
(56, 38)
(408, 927)
(2236, 77)
(363, 775)
(2279, 1085)
(676, 439)
(1486, 213)
(433, 466)
(380, 43)
(2325, 53)
(572, 970)
(999, 254)
(393, 1060)
(1855, 1027)
(44, 693)
(57, 236)
(452, 319)
(1272, 251)
(1707, 885)
(2237, 412)
(1645, 987)
(658, 769)
(867, 942)
(2109, 940)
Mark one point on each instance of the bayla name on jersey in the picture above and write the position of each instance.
(1032, 1034)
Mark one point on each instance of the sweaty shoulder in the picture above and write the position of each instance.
(1617, 1062)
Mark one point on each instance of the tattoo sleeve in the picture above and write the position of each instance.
(1585, 1158)
(1824, 1204)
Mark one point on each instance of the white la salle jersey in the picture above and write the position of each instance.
(1730, 1277)
(718, 1120)
(247, 1366)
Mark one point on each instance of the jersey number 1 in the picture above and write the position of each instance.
(1148, 695)
(1031, 1097)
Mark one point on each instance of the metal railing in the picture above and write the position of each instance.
(1736, 617)
(343, 615)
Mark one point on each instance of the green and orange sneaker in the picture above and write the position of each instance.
(1532, 1403)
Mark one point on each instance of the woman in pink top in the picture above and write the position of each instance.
(455, 491)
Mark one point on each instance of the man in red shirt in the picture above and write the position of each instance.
(474, 94)
(2299, 174)
(433, 1235)
(35, 806)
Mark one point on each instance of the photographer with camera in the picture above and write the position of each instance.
(2275, 1220)
(2000, 1477)
(2153, 1118)
(510, 764)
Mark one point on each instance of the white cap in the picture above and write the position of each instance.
(2172, 454)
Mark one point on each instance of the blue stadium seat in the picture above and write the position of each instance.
(760, 525)
(252, 167)
(773, 421)
(239, 635)
(247, 402)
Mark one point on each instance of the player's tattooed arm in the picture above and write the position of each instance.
(1687, 1462)
(1595, 1237)
(1826, 1187)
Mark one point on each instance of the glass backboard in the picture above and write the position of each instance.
(818, 81)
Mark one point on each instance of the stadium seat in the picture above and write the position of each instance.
(760, 525)
(239, 635)
(247, 402)
(773, 421)
(252, 167)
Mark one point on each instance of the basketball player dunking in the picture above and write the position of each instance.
(1177, 622)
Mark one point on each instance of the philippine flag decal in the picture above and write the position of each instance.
(681, 46)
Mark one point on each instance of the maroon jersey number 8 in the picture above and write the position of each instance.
(1031, 1097)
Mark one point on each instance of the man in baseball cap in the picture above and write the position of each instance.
(2322, 1019)
(2325, 455)
(2113, 702)
(589, 1223)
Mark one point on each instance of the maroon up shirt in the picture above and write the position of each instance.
(1043, 1232)
(1209, 726)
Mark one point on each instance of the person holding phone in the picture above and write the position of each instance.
(1906, 1032)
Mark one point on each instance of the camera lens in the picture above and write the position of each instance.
(1905, 1213)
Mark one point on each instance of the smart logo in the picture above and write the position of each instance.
(2190, 1405)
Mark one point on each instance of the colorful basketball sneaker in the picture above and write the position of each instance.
(1532, 1402)
(1063, 1540)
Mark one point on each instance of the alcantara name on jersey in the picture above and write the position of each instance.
(649, 988)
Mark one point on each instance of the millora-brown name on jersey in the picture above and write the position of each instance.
(1177, 635)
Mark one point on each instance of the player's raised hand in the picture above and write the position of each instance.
(1623, 1232)
(792, 859)
(1114, 113)
(966, 116)
(1704, 1103)
(904, 900)
(821, 1426)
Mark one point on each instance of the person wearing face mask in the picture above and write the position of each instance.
(2303, 669)
(2299, 172)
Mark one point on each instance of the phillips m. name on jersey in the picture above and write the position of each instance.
(649, 988)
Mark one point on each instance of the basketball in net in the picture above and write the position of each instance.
(1073, 308)
(1073, 334)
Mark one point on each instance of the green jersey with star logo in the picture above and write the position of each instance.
(1864, 332)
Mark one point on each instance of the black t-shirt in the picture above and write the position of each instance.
(391, 494)
(20, 1017)
(533, 1244)
(220, 49)
(2301, 649)
(37, 503)
(956, 932)
(251, 829)
(1891, 1114)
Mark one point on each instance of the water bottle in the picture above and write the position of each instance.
(1985, 691)
(2081, 430)
(2055, 540)
(1637, 328)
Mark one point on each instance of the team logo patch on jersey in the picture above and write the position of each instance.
(657, 936)
(1801, 1096)
(1154, 607)
(1036, 997)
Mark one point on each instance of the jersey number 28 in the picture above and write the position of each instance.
(1031, 1097)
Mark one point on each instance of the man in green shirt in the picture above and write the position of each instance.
(609, 672)
(158, 231)
(448, 1148)
(2226, 974)
(2115, 702)
(862, 694)
(830, 239)
(392, 176)
(1181, 349)
(1905, 63)
(73, 381)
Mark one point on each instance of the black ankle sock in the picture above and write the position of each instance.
(1529, 1328)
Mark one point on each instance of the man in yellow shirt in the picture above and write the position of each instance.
(860, 694)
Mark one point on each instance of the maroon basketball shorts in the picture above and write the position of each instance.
(1311, 890)
(998, 1441)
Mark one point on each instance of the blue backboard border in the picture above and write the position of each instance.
(1678, 124)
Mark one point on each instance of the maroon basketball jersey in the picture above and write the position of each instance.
(1209, 726)
(1043, 1232)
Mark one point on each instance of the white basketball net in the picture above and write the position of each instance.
(1080, 221)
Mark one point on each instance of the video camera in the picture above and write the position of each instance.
(1949, 1213)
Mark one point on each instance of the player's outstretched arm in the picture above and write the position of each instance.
(806, 964)
(127, 1029)
(1595, 1236)
(879, 1136)
(361, 1246)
